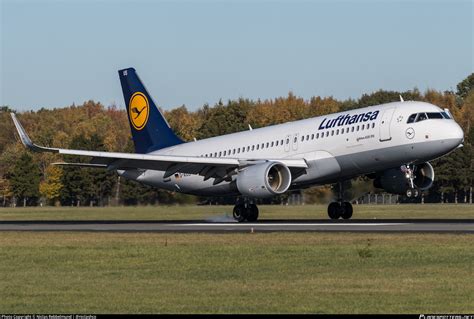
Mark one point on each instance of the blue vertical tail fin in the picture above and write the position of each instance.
(150, 130)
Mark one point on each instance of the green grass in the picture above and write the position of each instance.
(209, 212)
(236, 273)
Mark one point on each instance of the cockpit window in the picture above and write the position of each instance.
(434, 115)
(446, 115)
(421, 117)
(417, 117)
(412, 118)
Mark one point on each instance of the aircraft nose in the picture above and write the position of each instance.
(454, 135)
(458, 133)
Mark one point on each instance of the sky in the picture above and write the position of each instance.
(55, 53)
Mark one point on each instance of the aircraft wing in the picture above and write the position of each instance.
(208, 167)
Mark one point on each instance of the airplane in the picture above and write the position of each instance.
(391, 143)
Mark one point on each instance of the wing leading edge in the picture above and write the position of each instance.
(218, 168)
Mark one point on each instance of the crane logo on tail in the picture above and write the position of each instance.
(138, 110)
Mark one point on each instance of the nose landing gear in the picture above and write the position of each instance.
(412, 190)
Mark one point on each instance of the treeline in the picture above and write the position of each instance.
(28, 178)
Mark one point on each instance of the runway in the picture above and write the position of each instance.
(219, 226)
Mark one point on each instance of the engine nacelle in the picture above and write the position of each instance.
(264, 180)
(395, 181)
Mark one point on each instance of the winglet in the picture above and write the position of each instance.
(25, 139)
(401, 98)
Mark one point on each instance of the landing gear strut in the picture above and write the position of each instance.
(412, 190)
(245, 211)
(340, 209)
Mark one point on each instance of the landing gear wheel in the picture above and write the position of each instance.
(416, 192)
(240, 213)
(334, 210)
(252, 213)
(347, 210)
(337, 210)
(413, 192)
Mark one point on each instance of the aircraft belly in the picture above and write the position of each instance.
(179, 182)
(331, 169)
(389, 157)
(321, 165)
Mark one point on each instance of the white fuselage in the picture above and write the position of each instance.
(336, 146)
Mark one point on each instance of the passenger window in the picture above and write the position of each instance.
(302, 138)
(327, 133)
(352, 129)
(337, 132)
(281, 142)
(268, 144)
(373, 125)
(357, 128)
(412, 118)
(295, 140)
(287, 141)
(317, 135)
(253, 147)
(312, 136)
(421, 117)
(332, 133)
(272, 144)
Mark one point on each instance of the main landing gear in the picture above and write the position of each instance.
(340, 209)
(412, 190)
(245, 211)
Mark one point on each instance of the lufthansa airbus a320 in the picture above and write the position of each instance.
(392, 143)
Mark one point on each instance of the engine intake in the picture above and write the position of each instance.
(395, 181)
(264, 180)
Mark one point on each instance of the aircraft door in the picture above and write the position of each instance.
(385, 125)
(295, 141)
(287, 142)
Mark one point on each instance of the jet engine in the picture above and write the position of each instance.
(397, 181)
(264, 180)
